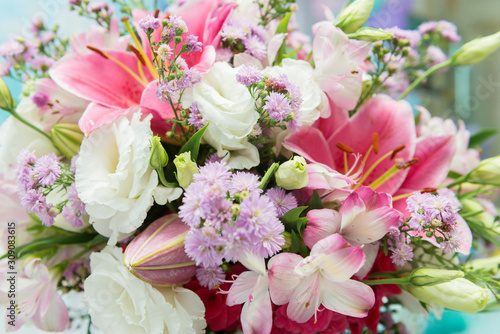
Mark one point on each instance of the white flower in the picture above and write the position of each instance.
(229, 108)
(119, 302)
(113, 176)
(14, 136)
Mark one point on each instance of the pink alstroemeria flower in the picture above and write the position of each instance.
(322, 278)
(382, 130)
(251, 289)
(38, 300)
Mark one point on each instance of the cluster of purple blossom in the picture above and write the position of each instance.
(244, 36)
(37, 178)
(229, 216)
(100, 11)
(281, 99)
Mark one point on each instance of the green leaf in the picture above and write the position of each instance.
(292, 220)
(482, 136)
(193, 144)
(316, 203)
(51, 242)
(454, 175)
(270, 172)
(282, 29)
(293, 215)
(295, 242)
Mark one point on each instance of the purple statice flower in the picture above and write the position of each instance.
(447, 29)
(5, 67)
(435, 56)
(295, 124)
(282, 201)
(236, 242)
(442, 209)
(210, 277)
(191, 43)
(191, 77)
(33, 201)
(448, 193)
(46, 37)
(72, 164)
(419, 221)
(216, 211)
(244, 181)
(149, 23)
(11, 48)
(47, 170)
(401, 254)
(257, 30)
(164, 51)
(272, 240)
(214, 174)
(202, 245)
(168, 34)
(451, 244)
(232, 30)
(256, 214)
(418, 201)
(213, 158)
(278, 106)
(74, 199)
(412, 36)
(255, 47)
(195, 118)
(97, 7)
(176, 22)
(248, 75)
(25, 175)
(191, 210)
(40, 99)
(72, 216)
(165, 90)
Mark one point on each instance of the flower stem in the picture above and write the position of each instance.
(24, 121)
(424, 76)
(402, 280)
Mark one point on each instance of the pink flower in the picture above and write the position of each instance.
(322, 278)
(101, 38)
(251, 288)
(38, 300)
(365, 217)
(337, 62)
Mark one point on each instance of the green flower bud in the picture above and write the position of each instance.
(6, 100)
(158, 157)
(292, 174)
(371, 35)
(476, 50)
(355, 15)
(459, 295)
(186, 168)
(433, 276)
(490, 264)
(67, 137)
(487, 172)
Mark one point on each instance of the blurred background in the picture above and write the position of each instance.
(471, 93)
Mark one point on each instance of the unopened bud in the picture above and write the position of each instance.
(186, 169)
(158, 157)
(6, 101)
(67, 137)
(355, 15)
(371, 35)
(292, 174)
(476, 50)
(432, 276)
(487, 172)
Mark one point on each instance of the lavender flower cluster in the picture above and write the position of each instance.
(37, 178)
(246, 36)
(228, 216)
(281, 99)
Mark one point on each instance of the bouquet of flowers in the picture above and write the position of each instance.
(208, 167)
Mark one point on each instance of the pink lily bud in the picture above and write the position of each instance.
(157, 255)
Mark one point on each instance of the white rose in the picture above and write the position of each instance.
(113, 176)
(119, 302)
(14, 136)
(229, 108)
(301, 74)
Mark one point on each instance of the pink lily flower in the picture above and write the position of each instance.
(101, 38)
(251, 289)
(38, 300)
(382, 130)
(322, 278)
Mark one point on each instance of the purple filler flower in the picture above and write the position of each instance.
(278, 106)
(191, 43)
(47, 169)
(248, 75)
(149, 22)
(282, 201)
(210, 277)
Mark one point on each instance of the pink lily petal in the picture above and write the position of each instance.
(282, 277)
(137, 15)
(311, 144)
(305, 300)
(323, 177)
(342, 264)
(434, 156)
(370, 226)
(394, 123)
(97, 115)
(329, 245)
(211, 34)
(322, 223)
(333, 119)
(274, 45)
(371, 252)
(464, 233)
(351, 297)
(372, 199)
(206, 60)
(257, 312)
(95, 78)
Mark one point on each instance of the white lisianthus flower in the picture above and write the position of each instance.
(113, 176)
(229, 108)
(119, 302)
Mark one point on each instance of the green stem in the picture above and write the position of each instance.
(22, 120)
(424, 76)
(458, 181)
(267, 176)
(403, 280)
